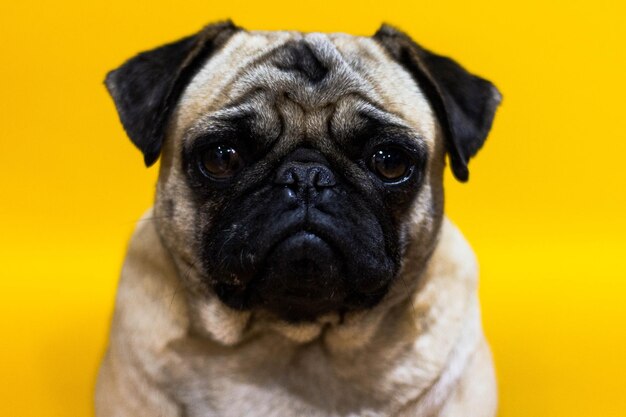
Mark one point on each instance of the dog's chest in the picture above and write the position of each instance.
(273, 378)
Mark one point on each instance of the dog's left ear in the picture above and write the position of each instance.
(464, 103)
(146, 88)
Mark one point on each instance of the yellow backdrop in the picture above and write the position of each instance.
(544, 208)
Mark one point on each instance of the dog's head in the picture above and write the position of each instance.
(298, 169)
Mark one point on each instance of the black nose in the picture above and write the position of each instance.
(298, 175)
(305, 169)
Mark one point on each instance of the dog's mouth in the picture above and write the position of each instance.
(302, 277)
(305, 264)
(305, 254)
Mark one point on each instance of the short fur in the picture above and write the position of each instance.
(182, 346)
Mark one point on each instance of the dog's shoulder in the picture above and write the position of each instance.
(149, 314)
(150, 303)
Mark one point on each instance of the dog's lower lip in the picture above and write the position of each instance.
(307, 235)
(305, 246)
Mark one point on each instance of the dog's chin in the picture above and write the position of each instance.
(303, 277)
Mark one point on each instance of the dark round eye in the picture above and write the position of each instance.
(390, 164)
(220, 162)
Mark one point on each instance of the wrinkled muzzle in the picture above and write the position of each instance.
(302, 245)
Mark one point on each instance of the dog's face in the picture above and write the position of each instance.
(298, 169)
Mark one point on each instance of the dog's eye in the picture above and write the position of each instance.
(390, 164)
(220, 162)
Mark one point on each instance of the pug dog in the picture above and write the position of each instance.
(297, 260)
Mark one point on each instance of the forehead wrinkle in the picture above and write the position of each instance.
(262, 121)
(266, 73)
(348, 79)
(359, 73)
(386, 117)
(208, 89)
(255, 70)
(351, 114)
(243, 70)
(284, 91)
(399, 93)
(212, 123)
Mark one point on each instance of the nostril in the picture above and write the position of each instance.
(286, 176)
(322, 177)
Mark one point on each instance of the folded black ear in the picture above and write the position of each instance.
(464, 103)
(146, 88)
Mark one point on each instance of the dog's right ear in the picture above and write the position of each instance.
(146, 88)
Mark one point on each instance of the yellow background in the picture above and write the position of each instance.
(544, 208)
